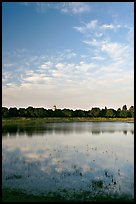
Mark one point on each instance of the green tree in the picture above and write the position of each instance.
(30, 111)
(22, 112)
(124, 107)
(118, 113)
(79, 113)
(103, 112)
(131, 109)
(40, 112)
(67, 112)
(110, 113)
(123, 114)
(131, 112)
(5, 112)
(13, 112)
(95, 112)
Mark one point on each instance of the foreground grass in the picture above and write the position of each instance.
(14, 195)
(63, 119)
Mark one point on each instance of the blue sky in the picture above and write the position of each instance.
(76, 55)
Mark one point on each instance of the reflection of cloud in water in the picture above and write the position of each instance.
(35, 156)
(50, 174)
(79, 161)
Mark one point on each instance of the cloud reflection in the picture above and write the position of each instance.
(70, 159)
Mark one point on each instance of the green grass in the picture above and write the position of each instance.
(19, 196)
(62, 119)
(14, 195)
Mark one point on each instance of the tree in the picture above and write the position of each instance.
(103, 112)
(30, 112)
(118, 113)
(50, 113)
(79, 113)
(5, 112)
(110, 113)
(124, 107)
(58, 113)
(67, 112)
(22, 112)
(131, 111)
(39, 112)
(95, 112)
(13, 112)
(123, 114)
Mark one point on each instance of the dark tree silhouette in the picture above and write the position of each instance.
(94, 112)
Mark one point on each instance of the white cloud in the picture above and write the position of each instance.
(46, 65)
(92, 24)
(108, 26)
(97, 28)
(40, 7)
(75, 7)
(64, 79)
(29, 72)
(87, 26)
(80, 29)
(36, 78)
(92, 42)
(6, 76)
(98, 58)
(85, 67)
(60, 65)
(130, 36)
(98, 34)
(8, 65)
(70, 55)
(113, 83)
(115, 50)
(113, 27)
(110, 50)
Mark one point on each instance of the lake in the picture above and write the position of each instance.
(69, 157)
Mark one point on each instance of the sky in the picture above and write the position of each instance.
(76, 55)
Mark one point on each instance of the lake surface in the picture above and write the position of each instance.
(97, 157)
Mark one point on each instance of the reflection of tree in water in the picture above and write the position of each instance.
(9, 129)
(58, 128)
(96, 132)
(125, 132)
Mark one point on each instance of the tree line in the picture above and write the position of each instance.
(32, 112)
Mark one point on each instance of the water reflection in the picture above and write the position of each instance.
(70, 158)
(67, 128)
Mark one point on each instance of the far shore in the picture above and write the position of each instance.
(64, 119)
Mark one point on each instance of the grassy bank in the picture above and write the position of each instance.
(62, 119)
(13, 195)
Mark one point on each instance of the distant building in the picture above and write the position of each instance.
(54, 108)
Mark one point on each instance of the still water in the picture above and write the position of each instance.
(91, 156)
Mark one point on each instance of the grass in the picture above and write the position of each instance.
(16, 195)
(63, 119)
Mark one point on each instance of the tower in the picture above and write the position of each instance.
(54, 108)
